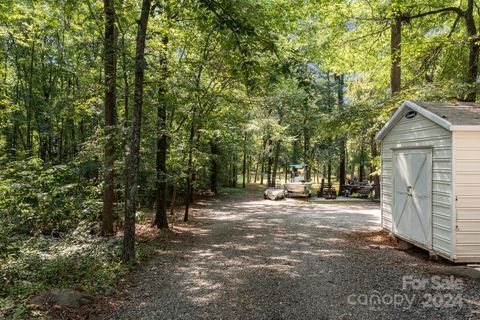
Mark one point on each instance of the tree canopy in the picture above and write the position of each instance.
(115, 105)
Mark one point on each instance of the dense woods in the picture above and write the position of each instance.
(115, 107)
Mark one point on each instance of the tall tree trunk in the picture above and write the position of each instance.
(269, 165)
(30, 100)
(213, 167)
(396, 53)
(296, 150)
(162, 144)
(244, 164)
(192, 183)
(376, 177)
(73, 137)
(361, 165)
(474, 49)
(275, 164)
(329, 171)
(188, 185)
(262, 160)
(110, 117)
(126, 94)
(126, 85)
(256, 169)
(262, 170)
(133, 157)
(249, 169)
(306, 150)
(174, 196)
(60, 143)
(234, 170)
(161, 195)
(341, 139)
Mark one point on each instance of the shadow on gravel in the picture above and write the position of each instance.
(255, 259)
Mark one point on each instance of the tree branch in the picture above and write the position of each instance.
(458, 11)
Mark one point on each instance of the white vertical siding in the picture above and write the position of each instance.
(416, 132)
(466, 157)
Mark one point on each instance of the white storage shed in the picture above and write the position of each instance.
(430, 182)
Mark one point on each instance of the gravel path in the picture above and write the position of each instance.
(246, 258)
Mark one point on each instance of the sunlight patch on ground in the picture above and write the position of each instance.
(330, 253)
(333, 240)
(276, 267)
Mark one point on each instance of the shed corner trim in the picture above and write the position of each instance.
(465, 128)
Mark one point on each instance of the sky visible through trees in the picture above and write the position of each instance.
(115, 105)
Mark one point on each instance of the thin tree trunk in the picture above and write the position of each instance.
(110, 117)
(262, 171)
(60, 143)
(73, 137)
(30, 101)
(234, 170)
(262, 157)
(162, 145)
(256, 170)
(306, 148)
(474, 49)
(174, 196)
(126, 94)
(213, 167)
(133, 157)
(125, 81)
(341, 140)
(376, 177)
(269, 165)
(192, 183)
(244, 164)
(331, 103)
(196, 108)
(161, 202)
(188, 185)
(361, 169)
(396, 52)
(249, 169)
(329, 171)
(275, 164)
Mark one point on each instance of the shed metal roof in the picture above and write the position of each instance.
(459, 116)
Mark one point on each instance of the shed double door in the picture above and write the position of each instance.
(412, 214)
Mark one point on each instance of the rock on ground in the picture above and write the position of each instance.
(60, 297)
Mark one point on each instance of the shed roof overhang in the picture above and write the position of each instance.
(424, 112)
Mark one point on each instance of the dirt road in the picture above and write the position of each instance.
(248, 258)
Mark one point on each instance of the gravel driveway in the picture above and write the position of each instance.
(247, 258)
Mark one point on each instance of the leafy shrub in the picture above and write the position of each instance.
(39, 198)
(44, 198)
(78, 261)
